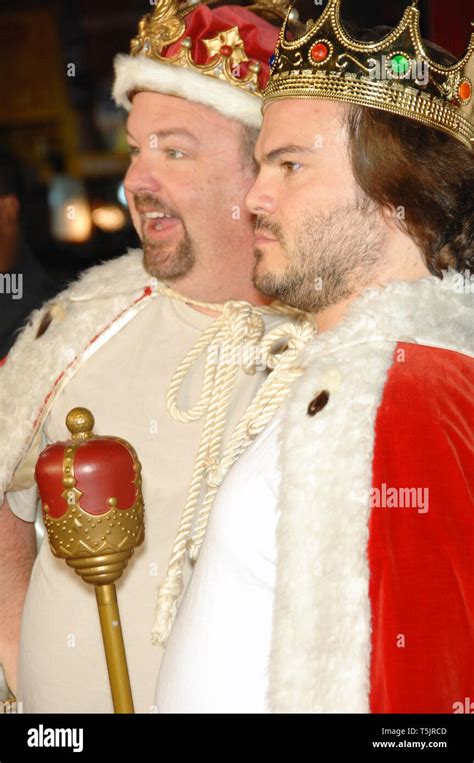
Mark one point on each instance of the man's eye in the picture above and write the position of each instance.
(133, 151)
(291, 167)
(174, 153)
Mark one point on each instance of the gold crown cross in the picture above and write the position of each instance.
(228, 44)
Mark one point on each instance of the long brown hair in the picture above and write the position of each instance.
(425, 173)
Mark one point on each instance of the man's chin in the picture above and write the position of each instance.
(265, 281)
(167, 264)
(286, 287)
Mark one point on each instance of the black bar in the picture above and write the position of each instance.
(317, 738)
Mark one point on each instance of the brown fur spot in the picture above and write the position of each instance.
(318, 403)
(44, 325)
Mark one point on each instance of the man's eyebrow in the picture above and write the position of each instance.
(272, 156)
(170, 131)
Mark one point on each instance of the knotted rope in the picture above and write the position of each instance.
(239, 328)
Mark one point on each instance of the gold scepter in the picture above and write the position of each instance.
(90, 489)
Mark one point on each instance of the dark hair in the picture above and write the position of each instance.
(399, 162)
(248, 140)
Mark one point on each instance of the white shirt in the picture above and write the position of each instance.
(217, 654)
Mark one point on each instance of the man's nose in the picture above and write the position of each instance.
(142, 175)
(259, 199)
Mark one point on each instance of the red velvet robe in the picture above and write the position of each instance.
(422, 562)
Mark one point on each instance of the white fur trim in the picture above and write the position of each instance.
(430, 311)
(320, 655)
(321, 639)
(141, 72)
(87, 308)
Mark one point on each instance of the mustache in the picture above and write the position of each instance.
(149, 202)
(269, 226)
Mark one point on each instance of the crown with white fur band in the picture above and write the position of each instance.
(218, 57)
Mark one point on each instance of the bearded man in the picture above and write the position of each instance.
(112, 341)
(337, 571)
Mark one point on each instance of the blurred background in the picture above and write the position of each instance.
(62, 146)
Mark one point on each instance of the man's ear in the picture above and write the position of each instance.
(9, 209)
(394, 217)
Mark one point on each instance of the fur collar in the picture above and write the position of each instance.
(124, 275)
(431, 311)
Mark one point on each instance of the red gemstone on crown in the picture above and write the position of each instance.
(465, 91)
(319, 52)
(226, 50)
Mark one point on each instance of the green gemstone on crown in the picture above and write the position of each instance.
(400, 64)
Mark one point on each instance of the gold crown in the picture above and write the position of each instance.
(394, 74)
(225, 52)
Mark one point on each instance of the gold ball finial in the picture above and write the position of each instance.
(80, 423)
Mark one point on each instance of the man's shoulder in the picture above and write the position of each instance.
(427, 402)
(121, 275)
(430, 372)
(82, 308)
(114, 278)
(124, 274)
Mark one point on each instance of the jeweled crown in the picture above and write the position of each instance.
(161, 37)
(394, 74)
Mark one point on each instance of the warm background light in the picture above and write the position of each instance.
(109, 218)
(69, 210)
